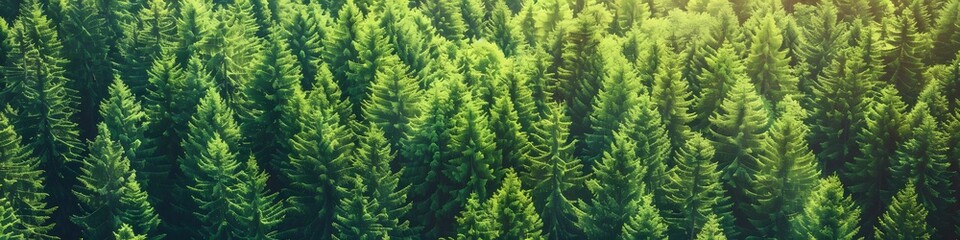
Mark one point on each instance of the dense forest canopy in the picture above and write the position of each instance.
(479, 119)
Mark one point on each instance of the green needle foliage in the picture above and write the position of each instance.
(22, 183)
(693, 191)
(905, 218)
(828, 213)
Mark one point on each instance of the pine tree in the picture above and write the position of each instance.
(393, 101)
(8, 221)
(693, 190)
(473, 13)
(152, 32)
(905, 218)
(724, 69)
(828, 213)
(824, 36)
(617, 189)
(512, 209)
(475, 223)
(870, 176)
(126, 232)
(711, 230)
(271, 108)
(212, 117)
(371, 161)
(787, 172)
(358, 216)
(473, 156)
(446, 17)
(213, 185)
(767, 63)
(255, 211)
(500, 30)
(106, 197)
(904, 66)
(944, 32)
(87, 43)
(644, 127)
(647, 222)
(22, 183)
(374, 58)
(628, 14)
(232, 52)
(510, 138)
(553, 172)
(340, 50)
(125, 119)
(673, 101)
(619, 93)
(304, 32)
(580, 73)
(139, 211)
(35, 83)
(194, 25)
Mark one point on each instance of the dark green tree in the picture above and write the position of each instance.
(870, 175)
(152, 32)
(693, 191)
(446, 18)
(87, 42)
(553, 172)
(255, 211)
(213, 185)
(511, 140)
(339, 50)
(617, 189)
(22, 183)
(475, 222)
(371, 161)
(905, 218)
(474, 158)
(711, 230)
(944, 32)
(645, 128)
(824, 35)
(828, 213)
(358, 216)
(393, 101)
(512, 209)
(139, 210)
(580, 72)
(125, 119)
(374, 58)
(304, 31)
(904, 63)
(767, 63)
(193, 26)
(8, 221)
(673, 100)
(618, 95)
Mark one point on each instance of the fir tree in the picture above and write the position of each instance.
(304, 32)
(393, 101)
(512, 209)
(693, 190)
(512, 141)
(358, 216)
(193, 26)
(619, 93)
(828, 213)
(446, 17)
(824, 36)
(374, 58)
(581, 72)
(22, 183)
(475, 223)
(767, 63)
(125, 119)
(152, 32)
(944, 32)
(870, 176)
(340, 50)
(617, 190)
(711, 230)
(724, 69)
(646, 223)
(87, 44)
(787, 172)
(644, 127)
(905, 218)
(922, 160)
(371, 161)
(553, 172)
(214, 185)
(473, 156)
(139, 210)
(903, 61)
(126, 232)
(254, 210)
(673, 101)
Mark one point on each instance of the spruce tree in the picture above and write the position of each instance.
(922, 160)
(511, 140)
(339, 50)
(473, 156)
(139, 210)
(446, 18)
(944, 32)
(646, 223)
(617, 189)
(194, 25)
(673, 100)
(214, 182)
(512, 209)
(126, 232)
(767, 63)
(645, 128)
(723, 70)
(358, 216)
(374, 55)
(371, 161)
(870, 176)
(22, 183)
(828, 213)
(619, 93)
(87, 44)
(393, 100)
(35, 83)
(824, 36)
(152, 32)
(475, 223)
(904, 66)
(125, 119)
(905, 218)
(711, 230)
(787, 172)
(106, 198)
(580, 73)
(304, 32)
(8, 221)
(255, 211)
(553, 172)
(693, 191)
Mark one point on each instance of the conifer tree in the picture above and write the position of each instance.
(446, 17)
(904, 66)
(767, 63)
(106, 198)
(339, 48)
(254, 210)
(617, 189)
(213, 186)
(22, 183)
(905, 218)
(393, 100)
(232, 53)
(194, 25)
(673, 101)
(619, 93)
(35, 83)
(371, 161)
(870, 176)
(524, 82)
(87, 43)
(358, 216)
(139, 210)
(125, 119)
(501, 30)
(152, 32)
(553, 172)
(693, 191)
(647, 222)
(711, 230)
(511, 140)
(824, 36)
(787, 172)
(723, 70)
(474, 158)
(271, 108)
(628, 14)
(304, 32)
(475, 223)
(374, 57)
(512, 209)
(644, 127)
(126, 232)
(212, 117)
(828, 213)
(8, 221)
(945, 29)
(580, 73)
(473, 13)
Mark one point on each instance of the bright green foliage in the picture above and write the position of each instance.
(393, 101)
(723, 70)
(214, 181)
(553, 171)
(232, 53)
(8, 221)
(473, 13)
(255, 212)
(319, 154)
(473, 156)
(4, 45)
(870, 176)
(326, 93)
(945, 32)
(905, 218)
(837, 110)
(501, 31)
(617, 189)
(628, 14)
(738, 132)
(673, 100)
(646, 223)
(922, 160)
(580, 73)
(371, 161)
(446, 17)
(271, 108)
(620, 92)
(475, 222)
(339, 48)
(693, 191)
(787, 172)
(645, 128)
(194, 25)
(824, 37)
(22, 183)
(138, 210)
(127, 122)
(358, 216)
(828, 213)
(152, 32)
(512, 209)
(711, 230)
(212, 118)
(904, 54)
(767, 63)
(87, 43)
(374, 58)
(106, 197)
(126, 232)
(34, 82)
(304, 32)
(512, 141)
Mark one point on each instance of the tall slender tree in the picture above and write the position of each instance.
(87, 40)
(22, 183)
(213, 186)
(473, 156)
(393, 100)
(371, 161)
(904, 63)
(693, 191)
(512, 209)
(905, 218)
(673, 101)
(828, 213)
(922, 160)
(767, 63)
(255, 212)
(152, 32)
(617, 189)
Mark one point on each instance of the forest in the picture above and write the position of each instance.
(479, 119)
